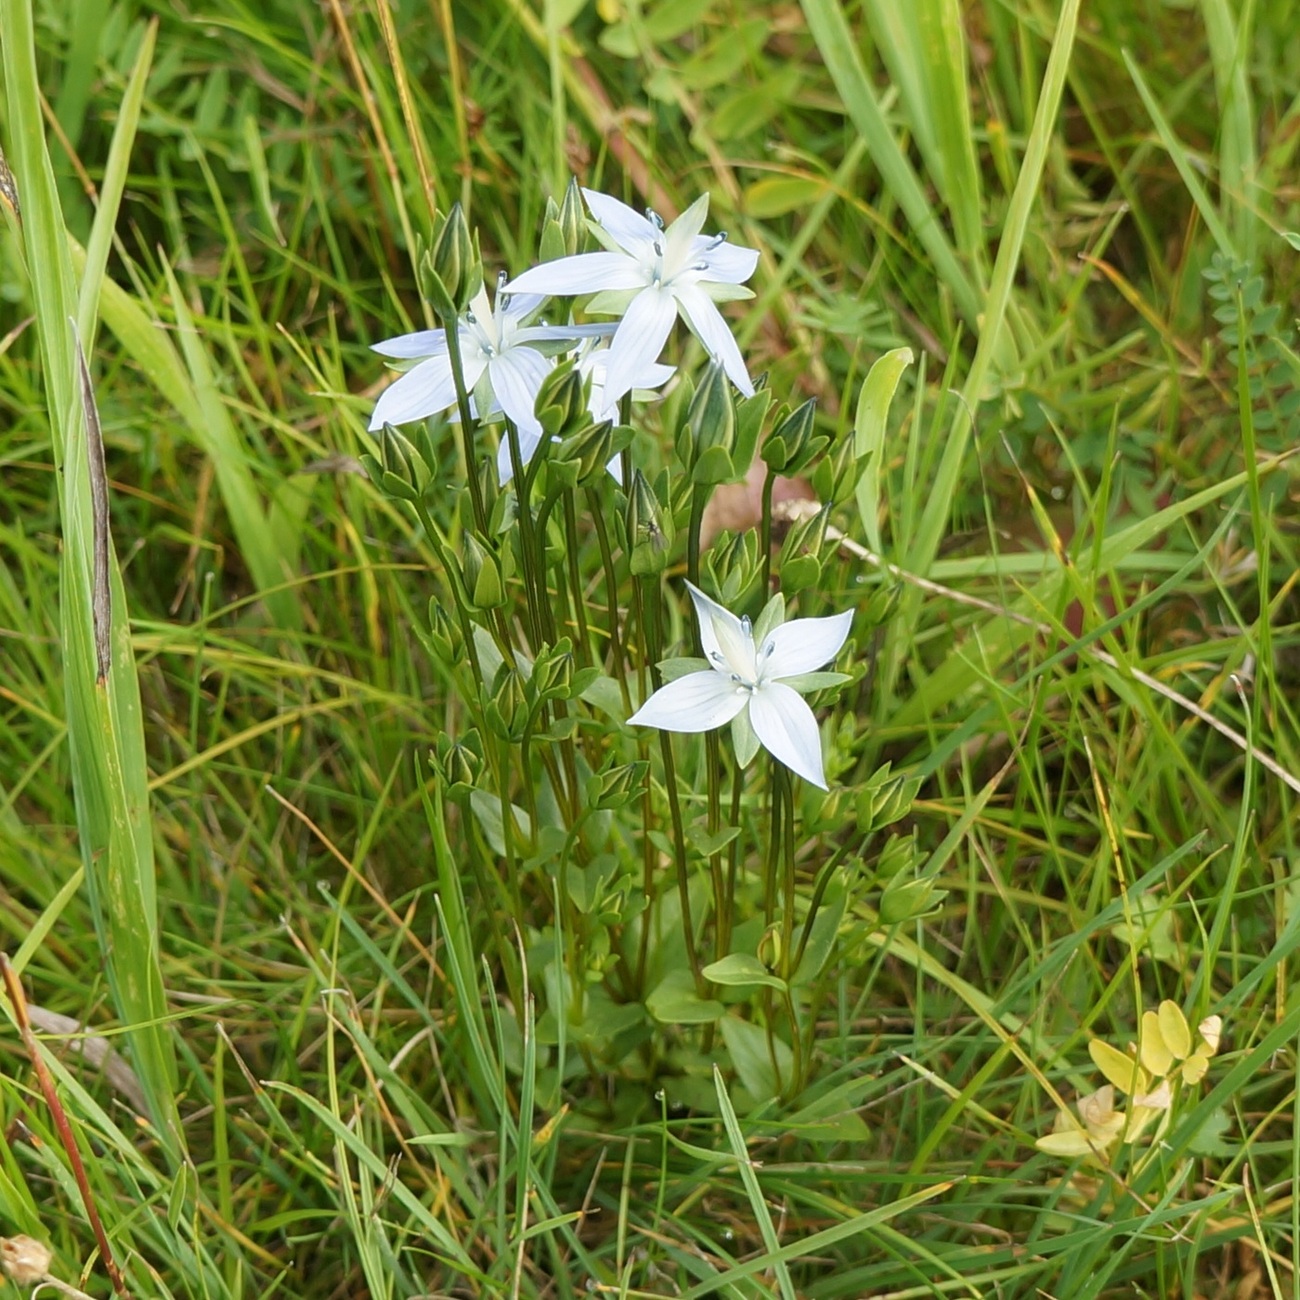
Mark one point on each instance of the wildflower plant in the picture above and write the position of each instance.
(1153, 1074)
(672, 894)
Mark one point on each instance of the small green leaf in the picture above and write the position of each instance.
(774, 196)
(742, 970)
(675, 1002)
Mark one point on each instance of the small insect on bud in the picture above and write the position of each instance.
(24, 1259)
(647, 528)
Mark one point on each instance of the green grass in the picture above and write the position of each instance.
(236, 861)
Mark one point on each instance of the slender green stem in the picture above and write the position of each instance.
(451, 329)
(787, 863)
(575, 579)
(453, 579)
(653, 627)
(618, 664)
(713, 760)
(699, 499)
(541, 622)
(727, 919)
(765, 532)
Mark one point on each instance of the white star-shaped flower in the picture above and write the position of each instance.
(753, 681)
(504, 361)
(648, 275)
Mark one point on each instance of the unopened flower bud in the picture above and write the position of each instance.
(561, 405)
(800, 565)
(588, 451)
(616, 785)
(458, 762)
(482, 574)
(399, 470)
(508, 711)
(573, 218)
(648, 528)
(444, 633)
(553, 672)
(711, 419)
(452, 271)
(908, 900)
(791, 443)
(24, 1259)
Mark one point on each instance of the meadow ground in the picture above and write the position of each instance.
(1008, 1011)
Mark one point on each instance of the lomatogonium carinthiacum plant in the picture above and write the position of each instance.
(562, 623)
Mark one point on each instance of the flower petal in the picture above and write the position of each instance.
(584, 273)
(426, 389)
(727, 641)
(517, 306)
(803, 644)
(679, 240)
(712, 330)
(696, 702)
(516, 375)
(423, 343)
(788, 730)
(727, 263)
(629, 228)
(640, 339)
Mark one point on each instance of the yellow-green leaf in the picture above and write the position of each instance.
(1118, 1067)
(1173, 1027)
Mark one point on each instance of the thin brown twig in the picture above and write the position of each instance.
(16, 996)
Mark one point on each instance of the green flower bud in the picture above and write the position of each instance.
(399, 471)
(482, 575)
(649, 529)
(508, 711)
(573, 218)
(459, 763)
(791, 442)
(733, 565)
(561, 405)
(616, 785)
(452, 271)
(589, 451)
(800, 564)
(909, 900)
(553, 672)
(444, 633)
(711, 419)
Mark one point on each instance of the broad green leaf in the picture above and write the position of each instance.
(742, 970)
(870, 429)
(674, 1001)
(748, 1045)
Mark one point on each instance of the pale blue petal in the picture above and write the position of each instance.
(629, 228)
(562, 333)
(420, 392)
(515, 376)
(727, 642)
(803, 644)
(638, 342)
(696, 702)
(788, 730)
(707, 322)
(585, 273)
(423, 343)
(518, 305)
(730, 263)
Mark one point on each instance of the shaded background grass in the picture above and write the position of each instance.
(264, 242)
